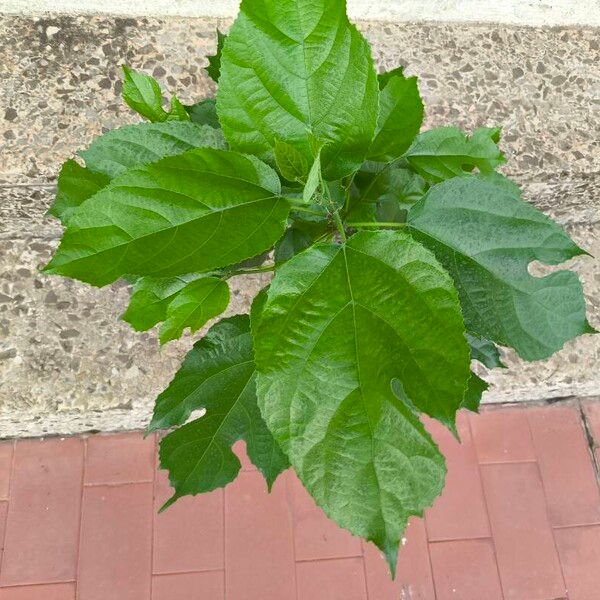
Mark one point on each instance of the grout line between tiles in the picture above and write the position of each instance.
(11, 473)
(487, 508)
(80, 536)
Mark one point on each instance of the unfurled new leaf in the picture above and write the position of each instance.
(296, 69)
(486, 235)
(217, 375)
(313, 180)
(447, 152)
(400, 116)
(340, 323)
(194, 212)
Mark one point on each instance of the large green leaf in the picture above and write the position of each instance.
(75, 185)
(340, 323)
(400, 116)
(447, 152)
(296, 70)
(135, 145)
(194, 306)
(486, 235)
(474, 393)
(194, 212)
(121, 149)
(218, 375)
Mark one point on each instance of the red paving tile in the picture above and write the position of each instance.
(413, 572)
(189, 586)
(315, 535)
(259, 545)
(525, 551)
(579, 550)
(566, 466)
(591, 410)
(465, 570)
(42, 527)
(116, 542)
(239, 449)
(340, 579)
(120, 458)
(6, 454)
(188, 536)
(517, 475)
(3, 513)
(58, 591)
(502, 435)
(460, 512)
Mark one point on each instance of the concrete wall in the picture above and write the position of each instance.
(67, 363)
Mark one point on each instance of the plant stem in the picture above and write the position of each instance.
(394, 225)
(252, 270)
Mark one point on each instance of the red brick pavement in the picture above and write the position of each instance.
(519, 520)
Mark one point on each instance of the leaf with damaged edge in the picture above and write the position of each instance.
(214, 61)
(218, 375)
(486, 236)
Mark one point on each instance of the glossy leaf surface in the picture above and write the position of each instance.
(297, 70)
(190, 213)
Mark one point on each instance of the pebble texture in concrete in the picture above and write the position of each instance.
(67, 363)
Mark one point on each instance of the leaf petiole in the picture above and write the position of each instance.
(394, 225)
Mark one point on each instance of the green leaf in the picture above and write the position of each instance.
(313, 180)
(204, 113)
(393, 190)
(151, 297)
(142, 93)
(485, 352)
(294, 241)
(135, 145)
(340, 323)
(400, 116)
(291, 163)
(218, 375)
(121, 149)
(474, 393)
(486, 235)
(447, 152)
(214, 62)
(194, 306)
(294, 70)
(178, 111)
(194, 212)
(75, 185)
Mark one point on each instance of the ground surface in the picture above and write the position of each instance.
(519, 520)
